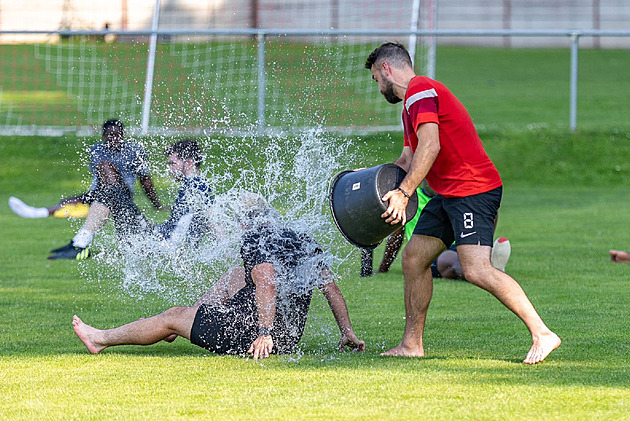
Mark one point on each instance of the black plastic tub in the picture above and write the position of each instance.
(356, 205)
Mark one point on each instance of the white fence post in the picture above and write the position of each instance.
(575, 39)
(148, 84)
(261, 82)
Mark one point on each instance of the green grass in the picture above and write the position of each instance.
(566, 199)
(213, 84)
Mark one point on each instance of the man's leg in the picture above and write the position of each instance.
(176, 320)
(394, 242)
(416, 262)
(475, 261)
(225, 288)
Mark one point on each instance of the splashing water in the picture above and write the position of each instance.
(292, 171)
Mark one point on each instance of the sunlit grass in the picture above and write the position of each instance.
(564, 206)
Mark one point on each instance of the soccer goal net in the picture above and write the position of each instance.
(202, 79)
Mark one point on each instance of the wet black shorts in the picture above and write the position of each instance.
(464, 220)
(223, 331)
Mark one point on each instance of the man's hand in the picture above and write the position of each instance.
(619, 256)
(396, 212)
(262, 347)
(350, 340)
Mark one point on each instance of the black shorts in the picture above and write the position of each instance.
(128, 220)
(223, 330)
(464, 220)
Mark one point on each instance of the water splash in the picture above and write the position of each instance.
(292, 171)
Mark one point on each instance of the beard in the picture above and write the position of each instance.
(388, 93)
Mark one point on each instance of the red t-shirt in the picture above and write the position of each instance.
(462, 167)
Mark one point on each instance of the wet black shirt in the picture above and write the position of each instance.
(295, 258)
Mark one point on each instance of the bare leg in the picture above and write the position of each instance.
(225, 288)
(176, 320)
(97, 217)
(417, 258)
(394, 242)
(475, 261)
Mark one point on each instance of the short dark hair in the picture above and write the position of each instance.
(186, 149)
(392, 52)
(113, 123)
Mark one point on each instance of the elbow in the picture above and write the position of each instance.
(263, 277)
(435, 149)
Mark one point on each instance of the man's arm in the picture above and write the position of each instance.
(404, 161)
(263, 276)
(340, 310)
(149, 189)
(423, 159)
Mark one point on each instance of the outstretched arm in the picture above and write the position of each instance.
(264, 276)
(340, 310)
(149, 189)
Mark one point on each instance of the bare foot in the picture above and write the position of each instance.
(86, 334)
(542, 347)
(403, 351)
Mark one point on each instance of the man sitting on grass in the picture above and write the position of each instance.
(259, 309)
(188, 216)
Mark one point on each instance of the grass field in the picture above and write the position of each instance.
(213, 85)
(565, 203)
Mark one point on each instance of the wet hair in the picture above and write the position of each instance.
(186, 149)
(113, 123)
(250, 205)
(393, 53)
(252, 209)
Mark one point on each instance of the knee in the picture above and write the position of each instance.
(414, 261)
(175, 314)
(477, 274)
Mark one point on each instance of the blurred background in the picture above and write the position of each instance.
(242, 65)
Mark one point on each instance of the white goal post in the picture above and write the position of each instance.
(202, 70)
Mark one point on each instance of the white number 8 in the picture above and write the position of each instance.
(468, 220)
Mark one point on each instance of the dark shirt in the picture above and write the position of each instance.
(194, 199)
(130, 162)
(297, 262)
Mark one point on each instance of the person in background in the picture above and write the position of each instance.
(188, 220)
(127, 159)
